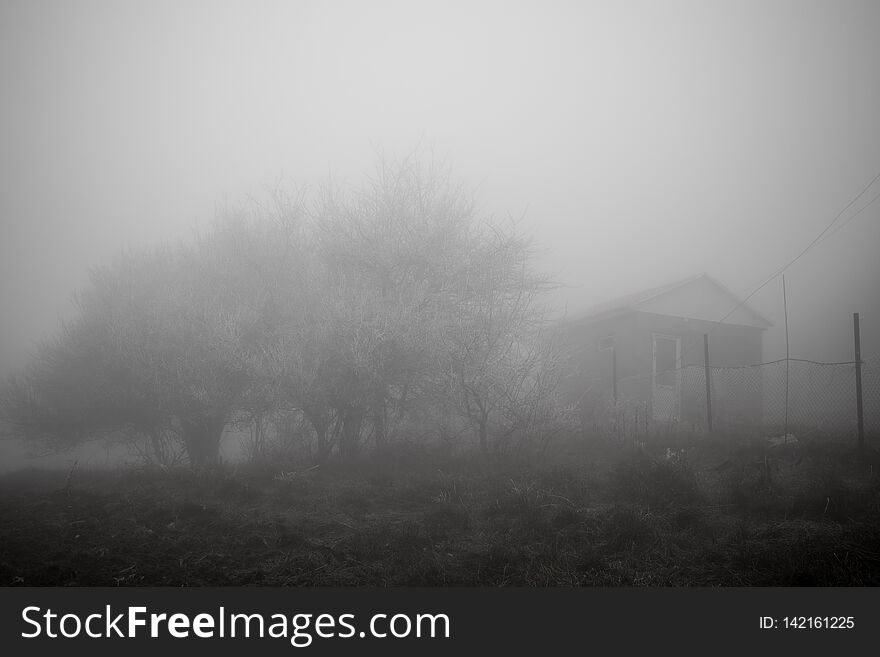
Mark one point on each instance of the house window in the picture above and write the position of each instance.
(606, 343)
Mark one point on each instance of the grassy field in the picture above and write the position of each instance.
(694, 512)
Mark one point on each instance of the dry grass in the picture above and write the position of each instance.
(591, 513)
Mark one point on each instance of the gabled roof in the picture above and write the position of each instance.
(671, 299)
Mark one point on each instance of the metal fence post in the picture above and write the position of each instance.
(614, 372)
(859, 411)
(708, 382)
(787, 361)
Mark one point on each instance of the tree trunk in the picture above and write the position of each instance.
(352, 420)
(380, 424)
(201, 436)
(321, 426)
(484, 434)
(324, 445)
(157, 446)
(259, 446)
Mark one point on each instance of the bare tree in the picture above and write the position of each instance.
(497, 368)
(430, 302)
(159, 348)
(351, 313)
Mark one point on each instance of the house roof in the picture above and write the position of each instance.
(682, 299)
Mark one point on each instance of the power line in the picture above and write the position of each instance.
(833, 221)
(808, 247)
(802, 253)
(782, 269)
(843, 225)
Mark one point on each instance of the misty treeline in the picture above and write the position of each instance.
(342, 321)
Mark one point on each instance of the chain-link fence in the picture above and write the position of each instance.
(794, 396)
(800, 395)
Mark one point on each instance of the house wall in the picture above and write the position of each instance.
(588, 382)
(729, 345)
(736, 395)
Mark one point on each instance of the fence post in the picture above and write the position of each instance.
(859, 412)
(614, 372)
(708, 382)
(787, 361)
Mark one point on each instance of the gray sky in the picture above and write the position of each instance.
(644, 142)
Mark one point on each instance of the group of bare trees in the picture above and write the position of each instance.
(359, 315)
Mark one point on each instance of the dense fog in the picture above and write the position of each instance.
(635, 143)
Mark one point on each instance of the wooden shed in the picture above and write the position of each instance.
(643, 354)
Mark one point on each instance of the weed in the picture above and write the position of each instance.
(712, 514)
(656, 482)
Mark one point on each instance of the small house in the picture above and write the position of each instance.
(640, 359)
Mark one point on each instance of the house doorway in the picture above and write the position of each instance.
(666, 378)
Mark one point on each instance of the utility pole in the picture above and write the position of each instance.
(708, 382)
(785, 307)
(614, 372)
(859, 411)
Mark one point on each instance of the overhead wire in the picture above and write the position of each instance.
(850, 218)
(781, 270)
(809, 246)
